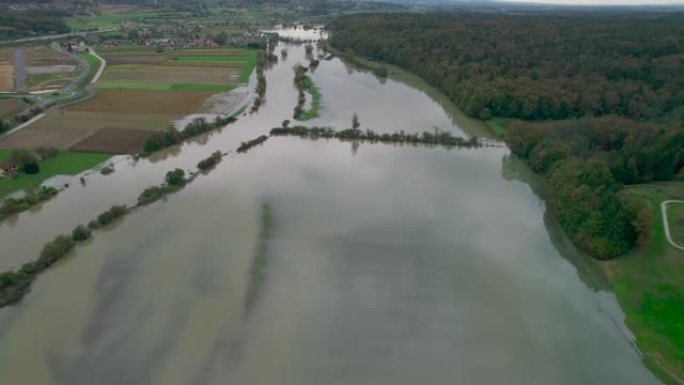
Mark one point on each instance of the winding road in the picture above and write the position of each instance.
(103, 64)
(666, 224)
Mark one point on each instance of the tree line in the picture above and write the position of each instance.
(24, 23)
(588, 161)
(437, 138)
(532, 67)
(597, 100)
(14, 284)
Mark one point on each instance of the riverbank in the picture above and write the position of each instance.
(648, 284)
(64, 163)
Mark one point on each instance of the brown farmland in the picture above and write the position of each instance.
(113, 141)
(70, 129)
(145, 101)
(10, 106)
(6, 76)
(175, 74)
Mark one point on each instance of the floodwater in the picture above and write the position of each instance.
(386, 264)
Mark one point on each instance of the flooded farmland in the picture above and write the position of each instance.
(384, 264)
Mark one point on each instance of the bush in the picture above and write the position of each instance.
(31, 168)
(381, 72)
(46, 152)
(80, 234)
(210, 162)
(111, 215)
(176, 177)
(45, 193)
(151, 194)
(55, 250)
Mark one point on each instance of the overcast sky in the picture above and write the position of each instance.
(613, 2)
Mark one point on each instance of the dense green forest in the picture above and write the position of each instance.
(25, 23)
(598, 99)
(532, 67)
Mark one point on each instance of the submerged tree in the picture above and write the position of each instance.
(355, 122)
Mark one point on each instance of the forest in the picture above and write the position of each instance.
(24, 23)
(532, 67)
(595, 102)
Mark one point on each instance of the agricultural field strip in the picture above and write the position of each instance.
(666, 224)
(216, 70)
(164, 73)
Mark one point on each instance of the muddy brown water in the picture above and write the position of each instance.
(387, 264)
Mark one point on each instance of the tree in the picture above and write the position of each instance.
(80, 234)
(355, 122)
(175, 177)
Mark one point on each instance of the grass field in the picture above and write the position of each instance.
(65, 163)
(94, 64)
(5, 155)
(42, 81)
(193, 66)
(649, 286)
(156, 77)
(498, 125)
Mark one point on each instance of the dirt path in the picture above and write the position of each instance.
(666, 224)
(103, 64)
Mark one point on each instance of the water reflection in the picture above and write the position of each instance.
(389, 264)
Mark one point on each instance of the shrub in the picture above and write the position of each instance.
(151, 194)
(46, 152)
(175, 177)
(80, 234)
(45, 193)
(55, 250)
(210, 162)
(31, 168)
(110, 215)
(381, 72)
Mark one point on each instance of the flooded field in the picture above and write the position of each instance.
(384, 264)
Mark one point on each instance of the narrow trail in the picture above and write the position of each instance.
(666, 225)
(103, 64)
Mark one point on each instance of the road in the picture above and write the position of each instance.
(55, 37)
(103, 64)
(666, 224)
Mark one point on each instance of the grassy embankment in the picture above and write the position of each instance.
(498, 126)
(64, 163)
(258, 270)
(315, 93)
(649, 286)
(675, 216)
